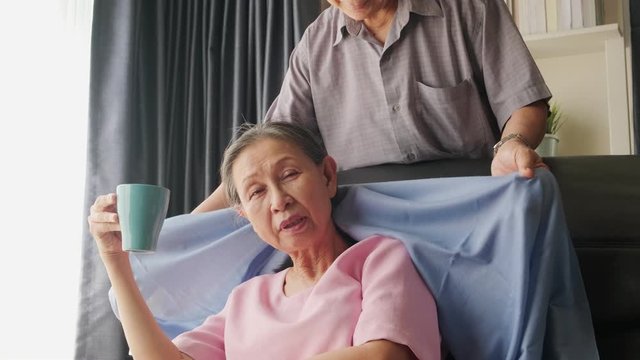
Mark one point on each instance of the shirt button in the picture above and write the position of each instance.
(396, 107)
(411, 156)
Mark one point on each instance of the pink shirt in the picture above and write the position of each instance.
(371, 291)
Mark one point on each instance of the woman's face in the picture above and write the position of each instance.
(285, 196)
(359, 9)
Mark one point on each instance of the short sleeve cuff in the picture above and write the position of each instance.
(426, 347)
(521, 99)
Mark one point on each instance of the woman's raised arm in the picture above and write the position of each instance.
(145, 338)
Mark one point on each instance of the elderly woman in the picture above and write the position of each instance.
(336, 301)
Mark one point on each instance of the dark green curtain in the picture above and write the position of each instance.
(170, 80)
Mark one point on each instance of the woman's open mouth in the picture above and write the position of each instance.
(293, 223)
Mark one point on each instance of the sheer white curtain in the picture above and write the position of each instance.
(44, 77)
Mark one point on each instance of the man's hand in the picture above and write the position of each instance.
(516, 156)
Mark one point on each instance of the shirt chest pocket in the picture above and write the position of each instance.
(456, 118)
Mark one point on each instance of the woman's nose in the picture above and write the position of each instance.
(280, 199)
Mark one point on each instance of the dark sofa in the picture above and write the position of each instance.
(601, 198)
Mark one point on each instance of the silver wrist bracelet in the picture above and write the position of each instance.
(512, 136)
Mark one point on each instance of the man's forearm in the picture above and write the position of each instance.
(530, 122)
(216, 201)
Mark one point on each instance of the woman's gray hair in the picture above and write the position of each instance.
(294, 134)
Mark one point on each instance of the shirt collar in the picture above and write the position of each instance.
(423, 7)
(348, 26)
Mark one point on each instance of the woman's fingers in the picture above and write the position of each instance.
(103, 217)
(99, 229)
(104, 225)
(103, 209)
(104, 203)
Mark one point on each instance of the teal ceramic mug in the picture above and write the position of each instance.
(142, 209)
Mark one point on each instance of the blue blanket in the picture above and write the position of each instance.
(495, 251)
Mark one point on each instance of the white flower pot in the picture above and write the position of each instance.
(548, 146)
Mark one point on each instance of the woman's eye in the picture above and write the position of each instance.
(289, 174)
(254, 193)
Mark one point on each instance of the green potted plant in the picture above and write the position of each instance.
(549, 144)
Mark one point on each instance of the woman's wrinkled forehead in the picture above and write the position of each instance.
(266, 151)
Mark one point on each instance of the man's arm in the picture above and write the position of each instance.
(294, 103)
(519, 154)
(216, 201)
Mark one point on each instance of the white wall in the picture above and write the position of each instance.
(593, 89)
(578, 83)
(43, 119)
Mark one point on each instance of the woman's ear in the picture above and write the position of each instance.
(329, 173)
(239, 211)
